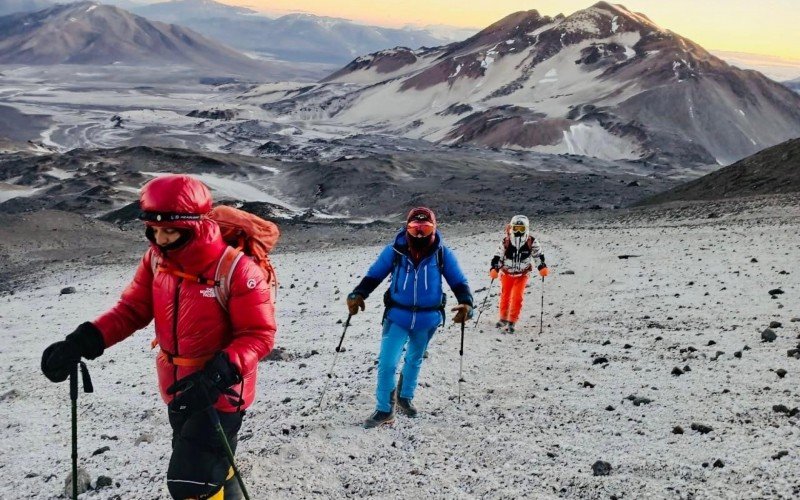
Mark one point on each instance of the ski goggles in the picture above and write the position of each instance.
(518, 228)
(420, 229)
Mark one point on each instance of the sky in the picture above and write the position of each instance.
(769, 27)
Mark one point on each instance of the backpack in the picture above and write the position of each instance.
(245, 234)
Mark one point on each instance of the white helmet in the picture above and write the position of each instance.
(519, 229)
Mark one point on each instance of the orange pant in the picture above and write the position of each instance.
(512, 292)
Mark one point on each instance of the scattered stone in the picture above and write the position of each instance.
(754, 260)
(780, 372)
(639, 401)
(100, 451)
(776, 291)
(795, 320)
(719, 463)
(84, 482)
(775, 324)
(768, 335)
(610, 408)
(677, 371)
(599, 361)
(10, 395)
(103, 482)
(780, 409)
(780, 455)
(677, 429)
(286, 400)
(568, 272)
(626, 256)
(702, 428)
(710, 343)
(601, 468)
(737, 354)
(66, 291)
(793, 353)
(588, 384)
(144, 437)
(279, 354)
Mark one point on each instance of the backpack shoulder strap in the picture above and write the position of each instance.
(440, 259)
(225, 267)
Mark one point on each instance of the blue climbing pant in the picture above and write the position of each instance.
(394, 339)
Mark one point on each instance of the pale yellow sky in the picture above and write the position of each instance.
(757, 26)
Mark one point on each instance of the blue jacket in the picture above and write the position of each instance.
(416, 292)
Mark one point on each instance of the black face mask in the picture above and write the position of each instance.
(183, 239)
(419, 243)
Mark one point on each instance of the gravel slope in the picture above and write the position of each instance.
(537, 411)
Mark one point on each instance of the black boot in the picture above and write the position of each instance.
(510, 328)
(407, 407)
(232, 490)
(379, 418)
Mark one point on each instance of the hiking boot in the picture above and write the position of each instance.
(500, 324)
(379, 418)
(406, 407)
(510, 328)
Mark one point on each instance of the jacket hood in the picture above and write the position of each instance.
(182, 201)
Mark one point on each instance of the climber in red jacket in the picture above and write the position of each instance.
(208, 351)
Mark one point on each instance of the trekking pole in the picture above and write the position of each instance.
(73, 396)
(461, 362)
(335, 357)
(541, 317)
(212, 412)
(480, 310)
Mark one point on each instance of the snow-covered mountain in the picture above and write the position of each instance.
(178, 11)
(294, 37)
(603, 82)
(14, 6)
(91, 33)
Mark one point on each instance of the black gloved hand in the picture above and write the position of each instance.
(200, 390)
(57, 360)
(541, 266)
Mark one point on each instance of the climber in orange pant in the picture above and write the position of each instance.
(513, 264)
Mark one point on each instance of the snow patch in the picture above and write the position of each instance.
(614, 24)
(550, 77)
(595, 141)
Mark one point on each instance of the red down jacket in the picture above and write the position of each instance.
(189, 322)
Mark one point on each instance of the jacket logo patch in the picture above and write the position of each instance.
(208, 292)
(251, 283)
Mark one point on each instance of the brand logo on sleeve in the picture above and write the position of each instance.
(251, 283)
(208, 293)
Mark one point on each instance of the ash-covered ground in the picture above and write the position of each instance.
(652, 359)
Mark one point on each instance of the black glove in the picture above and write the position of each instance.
(495, 263)
(541, 266)
(200, 390)
(57, 360)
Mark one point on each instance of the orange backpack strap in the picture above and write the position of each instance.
(225, 267)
